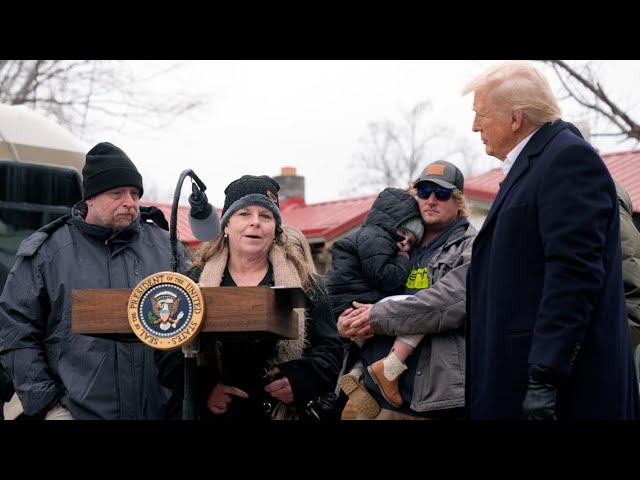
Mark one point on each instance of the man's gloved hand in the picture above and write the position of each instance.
(155, 215)
(540, 399)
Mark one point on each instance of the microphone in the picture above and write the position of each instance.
(203, 218)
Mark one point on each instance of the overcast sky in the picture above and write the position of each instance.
(264, 115)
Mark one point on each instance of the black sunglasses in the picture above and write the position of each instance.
(441, 192)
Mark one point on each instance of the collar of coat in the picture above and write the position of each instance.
(101, 232)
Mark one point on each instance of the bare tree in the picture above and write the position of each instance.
(581, 84)
(71, 91)
(394, 153)
(465, 156)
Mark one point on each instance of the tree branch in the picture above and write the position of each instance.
(616, 115)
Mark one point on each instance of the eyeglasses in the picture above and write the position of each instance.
(441, 192)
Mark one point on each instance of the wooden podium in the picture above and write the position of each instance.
(228, 310)
(246, 311)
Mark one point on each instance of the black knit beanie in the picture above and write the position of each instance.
(108, 167)
(251, 190)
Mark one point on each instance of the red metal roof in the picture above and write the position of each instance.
(327, 220)
(183, 229)
(623, 166)
(484, 187)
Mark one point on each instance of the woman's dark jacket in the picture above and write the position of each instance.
(245, 360)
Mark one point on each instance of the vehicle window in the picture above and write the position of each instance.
(31, 196)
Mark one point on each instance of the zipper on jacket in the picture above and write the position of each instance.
(108, 240)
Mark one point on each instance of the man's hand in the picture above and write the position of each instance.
(356, 325)
(58, 412)
(344, 322)
(540, 399)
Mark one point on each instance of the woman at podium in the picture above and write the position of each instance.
(258, 378)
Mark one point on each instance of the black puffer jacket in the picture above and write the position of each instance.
(365, 265)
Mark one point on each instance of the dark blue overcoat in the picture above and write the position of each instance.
(545, 287)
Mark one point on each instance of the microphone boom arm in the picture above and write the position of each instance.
(174, 214)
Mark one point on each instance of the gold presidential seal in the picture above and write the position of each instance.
(166, 310)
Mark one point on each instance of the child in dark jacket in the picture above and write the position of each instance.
(368, 265)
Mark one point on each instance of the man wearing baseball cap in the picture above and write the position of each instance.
(432, 385)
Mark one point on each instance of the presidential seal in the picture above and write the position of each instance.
(166, 310)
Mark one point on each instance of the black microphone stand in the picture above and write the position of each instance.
(190, 351)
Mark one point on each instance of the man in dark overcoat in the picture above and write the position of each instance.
(547, 325)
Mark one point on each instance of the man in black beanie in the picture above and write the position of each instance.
(108, 177)
(102, 243)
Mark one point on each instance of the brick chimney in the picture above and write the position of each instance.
(291, 185)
